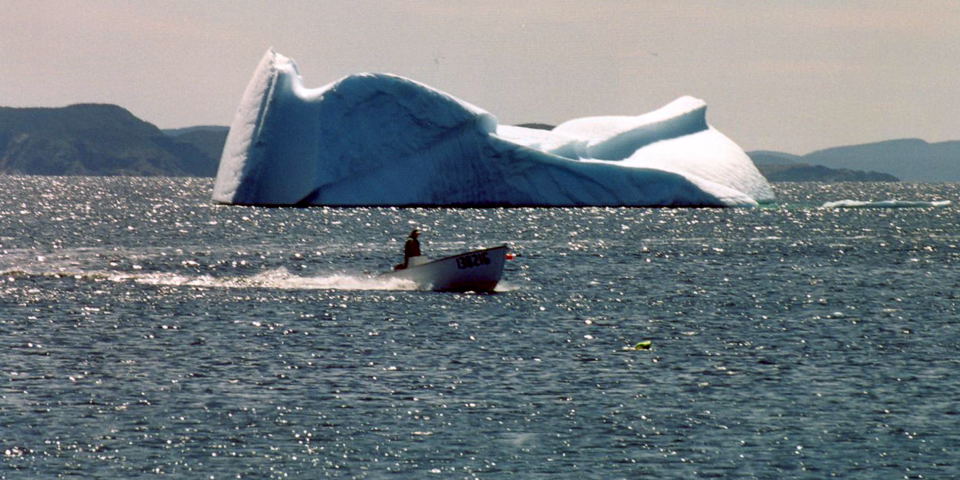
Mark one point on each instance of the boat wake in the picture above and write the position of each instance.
(504, 286)
(279, 278)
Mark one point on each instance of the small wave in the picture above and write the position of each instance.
(279, 278)
(885, 204)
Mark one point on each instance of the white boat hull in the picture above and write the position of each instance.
(478, 271)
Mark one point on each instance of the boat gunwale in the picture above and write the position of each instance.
(505, 246)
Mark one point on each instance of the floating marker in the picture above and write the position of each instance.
(644, 345)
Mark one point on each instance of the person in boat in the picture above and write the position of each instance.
(411, 248)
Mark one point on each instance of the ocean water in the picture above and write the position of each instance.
(147, 333)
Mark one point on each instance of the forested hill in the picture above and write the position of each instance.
(99, 139)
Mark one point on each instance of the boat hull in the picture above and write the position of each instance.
(477, 270)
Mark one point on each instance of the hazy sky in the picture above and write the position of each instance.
(785, 75)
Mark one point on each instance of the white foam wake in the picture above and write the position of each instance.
(279, 278)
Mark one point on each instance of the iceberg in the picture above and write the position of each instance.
(374, 139)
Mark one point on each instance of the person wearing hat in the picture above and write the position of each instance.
(411, 248)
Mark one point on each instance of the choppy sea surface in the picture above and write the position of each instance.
(148, 333)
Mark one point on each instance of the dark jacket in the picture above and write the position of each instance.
(411, 249)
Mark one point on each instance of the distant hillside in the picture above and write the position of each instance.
(176, 132)
(771, 158)
(96, 139)
(99, 139)
(785, 167)
(908, 159)
(537, 126)
(208, 139)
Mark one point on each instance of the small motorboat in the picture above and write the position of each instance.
(477, 270)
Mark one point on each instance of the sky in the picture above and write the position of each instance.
(793, 76)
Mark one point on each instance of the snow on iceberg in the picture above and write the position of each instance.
(384, 140)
